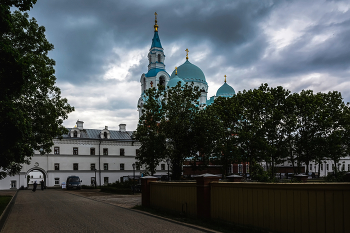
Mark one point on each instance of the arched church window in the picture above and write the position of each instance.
(75, 134)
(105, 134)
(144, 84)
(159, 58)
(162, 81)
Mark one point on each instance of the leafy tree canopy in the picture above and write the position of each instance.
(31, 108)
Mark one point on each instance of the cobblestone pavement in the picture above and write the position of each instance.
(61, 211)
(125, 201)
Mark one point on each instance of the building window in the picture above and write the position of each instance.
(105, 180)
(57, 166)
(105, 166)
(75, 150)
(92, 167)
(162, 166)
(105, 151)
(57, 181)
(122, 166)
(13, 184)
(240, 168)
(310, 167)
(229, 169)
(327, 167)
(122, 153)
(92, 151)
(75, 134)
(321, 166)
(92, 180)
(162, 81)
(159, 57)
(343, 167)
(56, 150)
(75, 166)
(348, 167)
(247, 168)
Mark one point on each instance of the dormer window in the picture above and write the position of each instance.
(75, 134)
(159, 56)
(105, 134)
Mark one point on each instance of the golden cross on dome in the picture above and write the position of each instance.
(175, 70)
(225, 77)
(155, 25)
(151, 84)
(186, 54)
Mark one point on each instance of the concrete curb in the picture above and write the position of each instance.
(7, 211)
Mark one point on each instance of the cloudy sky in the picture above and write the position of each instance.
(101, 48)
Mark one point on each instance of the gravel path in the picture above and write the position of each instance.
(62, 211)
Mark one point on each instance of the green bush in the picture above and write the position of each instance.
(337, 177)
(258, 173)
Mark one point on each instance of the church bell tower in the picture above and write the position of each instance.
(156, 74)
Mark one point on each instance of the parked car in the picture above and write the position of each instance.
(73, 182)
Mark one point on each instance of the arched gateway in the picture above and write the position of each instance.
(31, 179)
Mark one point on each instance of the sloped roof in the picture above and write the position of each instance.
(95, 134)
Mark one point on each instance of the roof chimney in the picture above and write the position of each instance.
(122, 127)
(80, 124)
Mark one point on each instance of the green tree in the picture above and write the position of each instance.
(31, 108)
(334, 136)
(226, 143)
(181, 108)
(206, 128)
(309, 126)
(251, 136)
(149, 130)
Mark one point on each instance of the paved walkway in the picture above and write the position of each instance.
(126, 201)
(62, 211)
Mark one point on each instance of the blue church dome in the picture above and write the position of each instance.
(190, 73)
(173, 82)
(225, 91)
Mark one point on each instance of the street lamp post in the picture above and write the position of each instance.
(133, 185)
(168, 162)
(95, 177)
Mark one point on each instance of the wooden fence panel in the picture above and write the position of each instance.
(284, 207)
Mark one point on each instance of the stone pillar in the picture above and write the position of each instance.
(203, 194)
(146, 191)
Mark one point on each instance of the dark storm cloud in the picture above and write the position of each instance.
(92, 37)
(85, 32)
(302, 56)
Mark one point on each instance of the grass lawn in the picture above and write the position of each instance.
(210, 224)
(4, 200)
